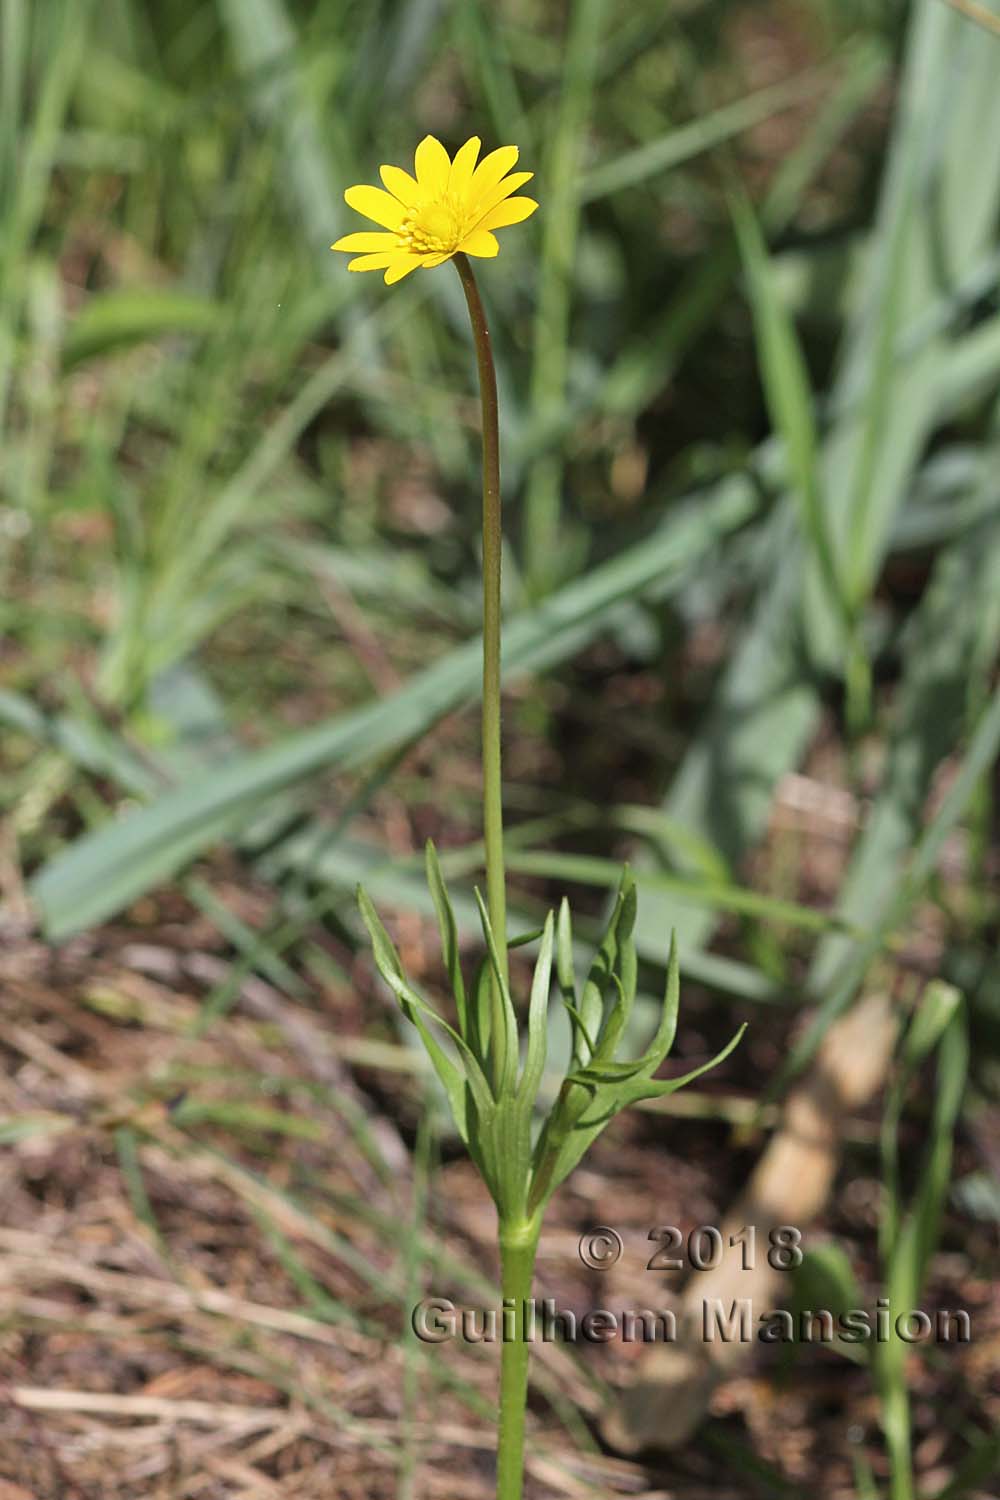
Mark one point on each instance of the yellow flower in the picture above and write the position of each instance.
(447, 207)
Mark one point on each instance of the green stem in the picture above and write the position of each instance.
(898, 1436)
(496, 900)
(518, 1246)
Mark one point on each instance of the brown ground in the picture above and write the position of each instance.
(201, 1298)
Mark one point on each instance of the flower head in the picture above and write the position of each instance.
(446, 207)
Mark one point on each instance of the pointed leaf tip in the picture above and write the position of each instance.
(564, 951)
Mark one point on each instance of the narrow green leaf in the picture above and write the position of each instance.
(590, 869)
(547, 545)
(789, 397)
(566, 976)
(524, 938)
(121, 319)
(937, 1008)
(414, 1007)
(579, 1025)
(615, 1017)
(628, 964)
(586, 1113)
(920, 1228)
(538, 1022)
(383, 948)
(239, 1115)
(449, 933)
(681, 144)
(622, 920)
(506, 1044)
(666, 1031)
(609, 1071)
(659, 1088)
(565, 971)
(482, 1017)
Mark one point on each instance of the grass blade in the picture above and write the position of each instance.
(153, 844)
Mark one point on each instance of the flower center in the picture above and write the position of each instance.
(433, 228)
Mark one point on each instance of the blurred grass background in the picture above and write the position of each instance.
(749, 359)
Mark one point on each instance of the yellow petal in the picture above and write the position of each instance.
(400, 266)
(432, 165)
(370, 262)
(510, 211)
(484, 203)
(506, 185)
(375, 204)
(366, 239)
(480, 242)
(462, 168)
(427, 261)
(492, 168)
(401, 185)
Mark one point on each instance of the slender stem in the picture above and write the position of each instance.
(496, 900)
(517, 1264)
(898, 1435)
(518, 1242)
